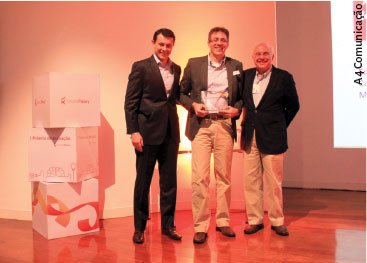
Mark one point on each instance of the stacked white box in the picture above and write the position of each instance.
(65, 100)
(63, 154)
(65, 209)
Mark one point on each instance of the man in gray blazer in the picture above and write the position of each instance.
(211, 92)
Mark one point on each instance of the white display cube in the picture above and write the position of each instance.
(65, 100)
(63, 154)
(65, 209)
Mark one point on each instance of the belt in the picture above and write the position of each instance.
(215, 117)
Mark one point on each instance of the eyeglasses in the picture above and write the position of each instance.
(219, 40)
(265, 54)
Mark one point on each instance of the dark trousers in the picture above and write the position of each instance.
(166, 155)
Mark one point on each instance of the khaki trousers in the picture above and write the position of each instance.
(259, 167)
(212, 136)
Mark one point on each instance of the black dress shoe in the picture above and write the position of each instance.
(251, 229)
(200, 237)
(171, 233)
(280, 230)
(226, 231)
(138, 237)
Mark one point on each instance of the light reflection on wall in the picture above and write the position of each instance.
(185, 144)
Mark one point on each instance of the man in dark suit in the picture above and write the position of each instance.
(210, 91)
(152, 121)
(271, 102)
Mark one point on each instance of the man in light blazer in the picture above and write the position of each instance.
(152, 122)
(271, 102)
(211, 92)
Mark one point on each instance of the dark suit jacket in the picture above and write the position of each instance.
(147, 108)
(195, 80)
(272, 116)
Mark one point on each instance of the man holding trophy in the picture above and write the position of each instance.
(211, 92)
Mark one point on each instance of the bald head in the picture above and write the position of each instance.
(265, 46)
(263, 57)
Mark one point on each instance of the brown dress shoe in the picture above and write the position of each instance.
(171, 233)
(138, 237)
(280, 230)
(226, 231)
(200, 237)
(251, 229)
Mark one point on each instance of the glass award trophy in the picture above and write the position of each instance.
(215, 100)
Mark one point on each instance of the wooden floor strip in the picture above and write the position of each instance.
(325, 226)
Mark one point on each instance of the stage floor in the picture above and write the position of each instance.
(325, 226)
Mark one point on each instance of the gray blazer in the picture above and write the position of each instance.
(195, 80)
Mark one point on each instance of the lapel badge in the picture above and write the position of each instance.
(237, 72)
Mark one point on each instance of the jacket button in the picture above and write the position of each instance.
(255, 111)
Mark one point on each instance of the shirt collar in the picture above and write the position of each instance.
(169, 62)
(216, 64)
(265, 74)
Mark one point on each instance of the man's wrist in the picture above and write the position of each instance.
(133, 133)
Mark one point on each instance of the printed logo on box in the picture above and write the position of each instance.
(65, 101)
(50, 138)
(63, 213)
(39, 101)
(89, 169)
(58, 172)
(58, 141)
(35, 175)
